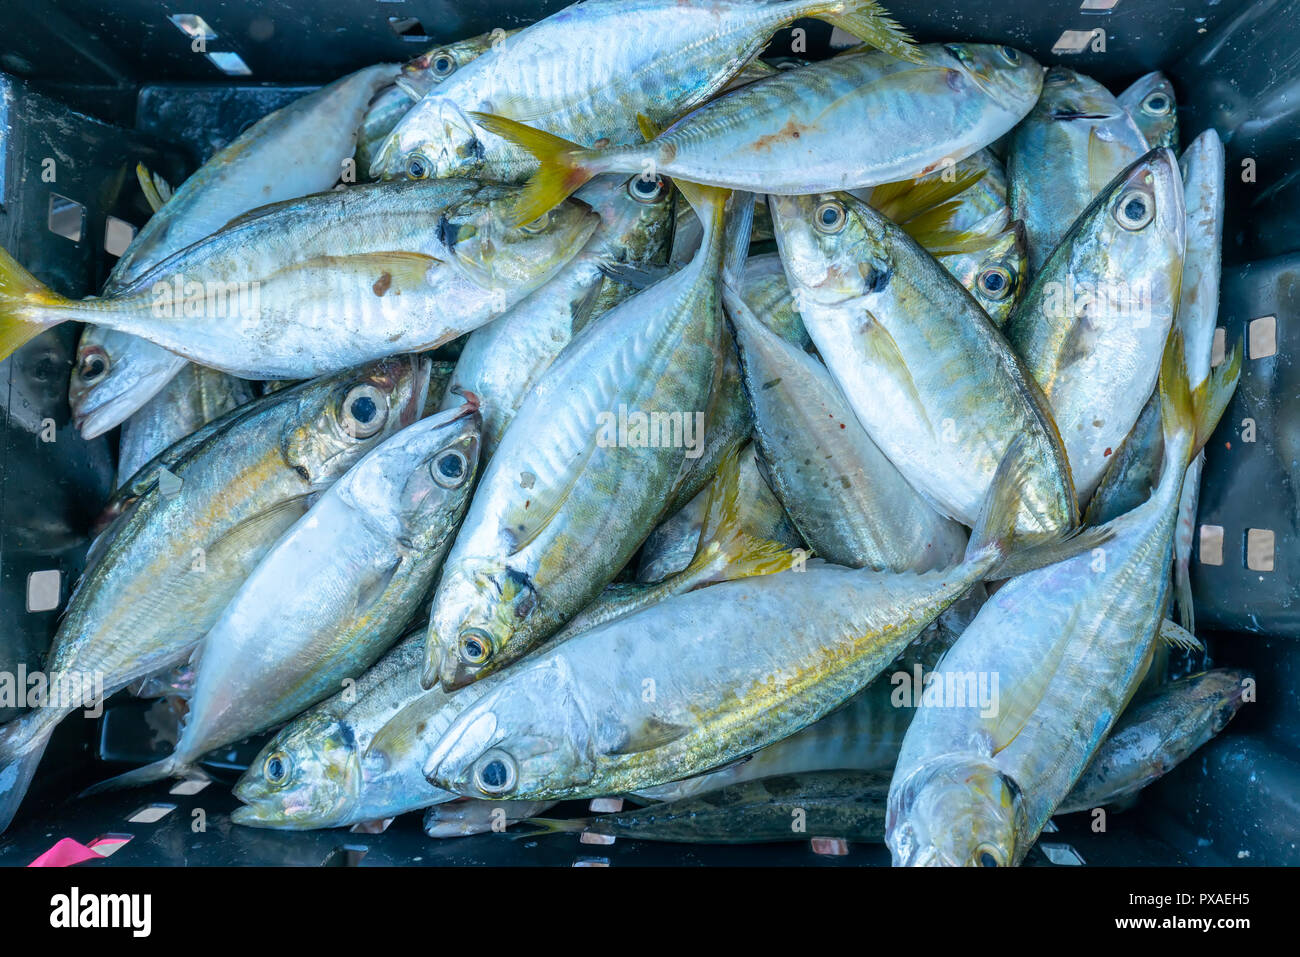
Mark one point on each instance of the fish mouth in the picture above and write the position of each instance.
(469, 407)
(1067, 115)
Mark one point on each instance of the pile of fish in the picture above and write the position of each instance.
(822, 442)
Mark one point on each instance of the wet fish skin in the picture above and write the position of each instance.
(468, 817)
(852, 121)
(337, 588)
(1091, 326)
(1151, 102)
(975, 789)
(657, 58)
(189, 553)
(1073, 143)
(192, 399)
(296, 150)
(503, 360)
(560, 509)
(929, 377)
(848, 501)
(1156, 734)
(316, 284)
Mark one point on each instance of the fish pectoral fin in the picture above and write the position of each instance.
(266, 525)
(648, 735)
(1079, 343)
(373, 585)
(525, 521)
(883, 350)
(1178, 637)
(390, 272)
(636, 275)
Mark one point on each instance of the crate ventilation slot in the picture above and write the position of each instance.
(1262, 337)
(1219, 351)
(231, 64)
(1098, 6)
(118, 234)
(408, 28)
(1211, 545)
(1073, 41)
(193, 26)
(189, 787)
(151, 813)
(1259, 549)
(106, 845)
(349, 855)
(67, 217)
(43, 589)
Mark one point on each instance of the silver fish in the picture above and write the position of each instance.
(1151, 103)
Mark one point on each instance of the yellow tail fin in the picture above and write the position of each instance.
(709, 203)
(562, 171)
(868, 21)
(22, 297)
(1194, 411)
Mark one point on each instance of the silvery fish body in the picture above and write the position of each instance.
(658, 58)
(193, 398)
(502, 361)
(313, 285)
(335, 590)
(848, 501)
(468, 817)
(929, 377)
(298, 149)
(161, 577)
(1156, 734)
(1151, 103)
(1092, 325)
(571, 493)
(1071, 145)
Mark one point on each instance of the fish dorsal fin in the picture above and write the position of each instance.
(1179, 638)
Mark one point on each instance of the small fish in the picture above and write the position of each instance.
(657, 58)
(313, 285)
(974, 786)
(337, 589)
(852, 121)
(158, 579)
(1073, 143)
(1091, 326)
(1150, 101)
(468, 816)
(298, 149)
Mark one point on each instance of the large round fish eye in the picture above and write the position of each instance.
(988, 855)
(443, 64)
(538, 225)
(475, 646)
(1157, 104)
(450, 468)
(997, 282)
(94, 365)
(1010, 54)
(830, 217)
(1134, 210)
(364, 411)
(276, 767)
(495, 773)
(417, 167)
(647, 189)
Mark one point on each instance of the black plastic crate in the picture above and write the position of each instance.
(88, 89)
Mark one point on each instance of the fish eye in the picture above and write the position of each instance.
(988, 855)
(1156, 104)
(1010, 54)
(538, 225)
(276, 768)
(1134, 210)
(450, 469)
(997, 282)
(443, 64)
(647, 189)
(830, 217)
(418, 167)
(364, 411)
(475, 647)
(495, 773)
(94, 365)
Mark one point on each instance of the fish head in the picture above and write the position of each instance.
(338, 419)
(527, 738)
(835, 247)
(1010, 77)
(479, 238)
(435, 139)
(955, 812)
(417, 483)
(478, 622)
(996, 272)
(1219, 696)
(1152, 104)
(309, 775)
(113, 376)
(636, 215)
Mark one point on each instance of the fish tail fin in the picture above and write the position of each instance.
(565, 166)
(552, 825)
(726, 551)
(168, 767)
(1188, 416)
(866, 20)
(993, 548)
(22, 745)
(710, 205)
(23, 298)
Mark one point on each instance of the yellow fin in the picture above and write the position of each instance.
(22, 297)
(867, 21)
(1175, 636)
(562, 165)
(149, 185)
